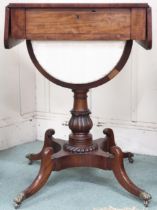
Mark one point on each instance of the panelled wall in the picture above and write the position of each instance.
(29, 104)
(17, 92)
(127, 103)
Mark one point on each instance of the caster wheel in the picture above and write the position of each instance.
(18, 200)
(146, 197)
(130, 159)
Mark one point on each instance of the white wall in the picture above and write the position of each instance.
(127, 103)
(17, 92)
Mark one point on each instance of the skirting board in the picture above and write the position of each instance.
(130, 138)
(136, 139)
(17, 132)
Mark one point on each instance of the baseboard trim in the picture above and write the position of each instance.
(17, 131)
(138, 139)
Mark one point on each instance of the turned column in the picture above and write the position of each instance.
(80, 140)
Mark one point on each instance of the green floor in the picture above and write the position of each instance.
(73, 189)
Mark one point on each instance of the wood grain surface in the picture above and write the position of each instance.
(94, 24)
(78, 22)
(78, 5)
(138, 24)
(18, 23)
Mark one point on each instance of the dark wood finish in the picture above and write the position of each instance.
(7, 28)
(18, 23)
(9, 41)
(79, 22)
(120, 174)
(110, 142)
(80, 140)
(107, 157)
(138, 29)
(57, 154)
(45, 170)
(147, 44)
(75, 5)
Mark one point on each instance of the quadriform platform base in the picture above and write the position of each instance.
(81, 151)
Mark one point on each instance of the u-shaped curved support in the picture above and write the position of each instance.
(118, 67)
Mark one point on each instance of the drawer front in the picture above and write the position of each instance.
(78, 24)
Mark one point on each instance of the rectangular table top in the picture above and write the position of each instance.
(78, 5)
(78, 22)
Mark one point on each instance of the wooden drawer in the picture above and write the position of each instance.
(97, 24)
(79, 24)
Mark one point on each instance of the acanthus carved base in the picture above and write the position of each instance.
(75, 149)
(107, 156)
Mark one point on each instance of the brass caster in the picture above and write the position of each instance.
(28, 156)
(146, 197)
(16, 205)
(146, 203)
(18, 200)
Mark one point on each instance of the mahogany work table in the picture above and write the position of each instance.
(79, 22)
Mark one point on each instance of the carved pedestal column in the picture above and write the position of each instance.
(80, 140)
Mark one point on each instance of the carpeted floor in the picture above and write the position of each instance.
(73, 189)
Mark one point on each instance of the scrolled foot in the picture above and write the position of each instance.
(108, 132)
(146, 197)
(18, 200)
(49, 133)
(109, 139)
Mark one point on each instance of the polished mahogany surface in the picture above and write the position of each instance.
(78, 22)
(49, 22)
